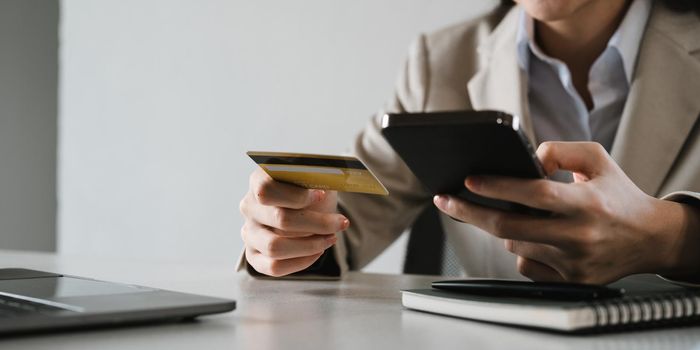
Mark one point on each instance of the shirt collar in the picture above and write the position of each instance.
(626, 39)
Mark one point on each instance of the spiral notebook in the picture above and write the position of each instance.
(648, 301)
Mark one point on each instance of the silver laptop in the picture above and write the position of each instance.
(39, 301)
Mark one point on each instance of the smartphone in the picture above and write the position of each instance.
(443, 148)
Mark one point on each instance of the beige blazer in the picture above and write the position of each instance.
(473, 65)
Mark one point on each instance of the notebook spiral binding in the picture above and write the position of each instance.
(647, 311)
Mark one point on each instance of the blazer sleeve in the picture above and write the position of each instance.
(377, 221)
(690, 198)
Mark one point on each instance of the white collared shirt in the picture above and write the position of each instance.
(557, 110)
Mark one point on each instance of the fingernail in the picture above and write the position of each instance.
(440, 201)
(344, 223)
(474, 183)
(319, 195)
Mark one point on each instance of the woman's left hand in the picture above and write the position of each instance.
(604, 226)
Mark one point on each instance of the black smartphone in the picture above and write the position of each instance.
(443, 148)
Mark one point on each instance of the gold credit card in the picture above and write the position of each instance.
(313, 171)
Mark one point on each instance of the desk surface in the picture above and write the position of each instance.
(361, 312)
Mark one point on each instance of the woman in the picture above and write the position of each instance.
(608, 88)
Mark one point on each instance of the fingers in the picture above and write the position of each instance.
(544, 253)
(276, 267)
(280, 206)
(273, 193)
(544, 194)
(287, 227)
(274, 246)
(588, 158)
(507, 225)
(293, 220)
(299, 220)
(537, 271)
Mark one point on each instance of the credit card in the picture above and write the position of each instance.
(314, 171)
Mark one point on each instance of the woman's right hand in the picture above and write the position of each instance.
(287, 228)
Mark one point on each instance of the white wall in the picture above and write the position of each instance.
(160, 99)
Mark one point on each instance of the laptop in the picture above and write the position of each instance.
(33, 301)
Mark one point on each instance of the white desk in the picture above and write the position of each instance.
(361, 312)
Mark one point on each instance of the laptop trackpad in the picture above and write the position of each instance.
(66, 287)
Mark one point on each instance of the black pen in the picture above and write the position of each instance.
(523, 289)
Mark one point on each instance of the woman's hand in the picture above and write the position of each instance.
(604, 226)
(287, 228)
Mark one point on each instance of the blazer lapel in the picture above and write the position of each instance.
(664, 100)
(500, 84)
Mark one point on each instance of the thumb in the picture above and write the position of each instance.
(585, 159)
